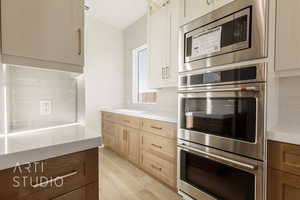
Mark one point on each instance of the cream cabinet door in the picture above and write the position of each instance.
(47, 30)
(159, 45)
(192, 9)
(221, 3)
(163, 28)
(133, 137)
(287, 35)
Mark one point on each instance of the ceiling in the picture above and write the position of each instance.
(118, 13)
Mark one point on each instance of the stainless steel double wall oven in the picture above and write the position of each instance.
(221, 126)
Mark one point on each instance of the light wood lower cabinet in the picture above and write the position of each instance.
(149, 144)
(133, 138)
(79, 172)
(283, 171)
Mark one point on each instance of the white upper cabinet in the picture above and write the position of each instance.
(43, 33)
(163, 45)
(221, 3)
(193, 9)
(287, 36)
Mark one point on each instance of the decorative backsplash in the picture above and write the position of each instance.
(38, 98)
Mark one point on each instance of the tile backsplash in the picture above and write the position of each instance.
(40, 98)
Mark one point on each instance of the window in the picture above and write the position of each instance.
(142, 94)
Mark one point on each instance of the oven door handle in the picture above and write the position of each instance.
(238, 89)
(219, 158)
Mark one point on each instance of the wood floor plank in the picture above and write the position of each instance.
(121, 180)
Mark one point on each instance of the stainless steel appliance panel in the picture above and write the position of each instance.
(221, 175)
(252, 147)
(254, 47)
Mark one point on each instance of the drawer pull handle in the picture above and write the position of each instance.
(157, 146)
(126, 121)
(43, 184)
(157, 168)
(157, 128)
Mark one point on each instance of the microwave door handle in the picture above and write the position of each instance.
(220, 158)
(239, 89)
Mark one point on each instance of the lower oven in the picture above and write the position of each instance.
(225, 117)
(205, 173)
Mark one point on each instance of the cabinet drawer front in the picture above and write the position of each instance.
(160, 128)
(163, 146)
(161, 169)
(108, 127)
(71, 171)
(109, 116)
(284, 157)
(130, 121)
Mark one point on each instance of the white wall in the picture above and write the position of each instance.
(135, 36)
(104, 71)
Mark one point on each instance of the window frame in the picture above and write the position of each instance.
(135, 76)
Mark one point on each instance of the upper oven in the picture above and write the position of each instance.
(233, 33)
(230, 117)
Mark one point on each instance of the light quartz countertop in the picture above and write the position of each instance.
(160, 116)
(285, 134)
(22, 148)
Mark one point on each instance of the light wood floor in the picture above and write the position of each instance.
(121, 180)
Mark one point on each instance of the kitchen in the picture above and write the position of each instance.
(158, 99)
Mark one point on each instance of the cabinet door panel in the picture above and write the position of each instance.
(283, 186)
(122, 144)
(192, 9)
(133, 137)
(158, 30)
(287, 35)
(43, 30)
(221, 3)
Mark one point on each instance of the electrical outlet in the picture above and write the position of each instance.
(45, 107)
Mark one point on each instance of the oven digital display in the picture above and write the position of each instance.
(214, 77)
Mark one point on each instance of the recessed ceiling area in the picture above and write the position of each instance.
(118, 13)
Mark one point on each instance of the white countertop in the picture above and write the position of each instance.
(22, 148)
(286, 134)
(161, 116)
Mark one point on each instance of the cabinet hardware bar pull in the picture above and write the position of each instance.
(126, 121)
(157, 146)
(43, 184)
(79, 41)
(158, 128)
(157, 168)
(238, 89)
(219, 158)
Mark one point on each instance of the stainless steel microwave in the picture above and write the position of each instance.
(234, 33)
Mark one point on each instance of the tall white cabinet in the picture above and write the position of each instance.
(287, 59)
(163, 43)
(43, 33)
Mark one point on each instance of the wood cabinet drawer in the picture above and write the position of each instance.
(156, 144)
(283, 186)
(284, 157)
(71, 172)
(130, 121)
(161, 169)
(108, 127)
(110, 116)
(89, 192)
(160, 128)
